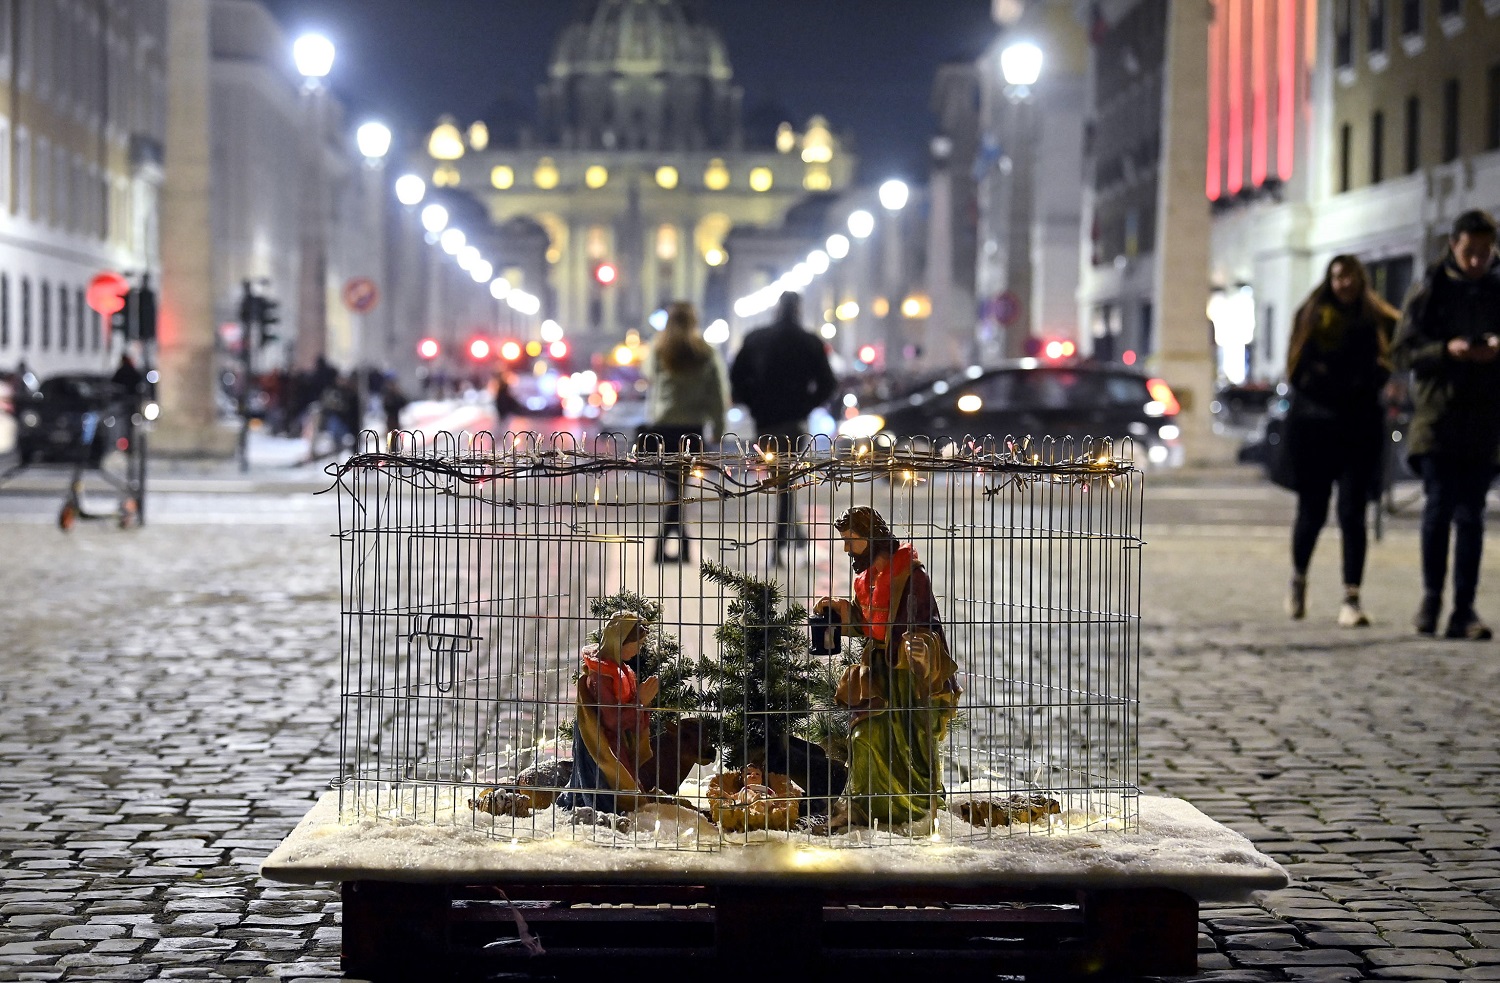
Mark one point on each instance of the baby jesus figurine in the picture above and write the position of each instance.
(755, 796)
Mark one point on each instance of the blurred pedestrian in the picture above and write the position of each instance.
(689, 391)
(1450, 339)
(782, 374)
(1338, 361)
(392, 401)
(505, 402)
(128, 377)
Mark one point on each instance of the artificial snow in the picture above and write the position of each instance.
(1173, 845)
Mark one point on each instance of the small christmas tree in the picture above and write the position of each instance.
(660, 656)
(765, 683)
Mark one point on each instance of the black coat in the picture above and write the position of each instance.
(1456, 404)
(781, 374)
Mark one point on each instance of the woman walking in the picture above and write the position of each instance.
(689, 391)
(1337, 364)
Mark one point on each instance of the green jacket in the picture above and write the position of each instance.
(1457, 404)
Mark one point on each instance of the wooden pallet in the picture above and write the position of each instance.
(404, 931)
(1075, 906)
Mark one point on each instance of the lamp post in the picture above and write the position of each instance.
(313, 55)
(373, 139)
(1020, 66)
(893, 196)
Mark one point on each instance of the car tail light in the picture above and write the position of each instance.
(1162, 393)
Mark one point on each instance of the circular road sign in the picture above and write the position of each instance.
(361, 295)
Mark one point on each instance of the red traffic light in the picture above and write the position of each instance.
(479, 349)
(558, 349)
(606, 273)
(428, 348)
(867, 354)
(106, 293)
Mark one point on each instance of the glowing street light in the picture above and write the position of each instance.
(893, 195)
(434, 217)
(499, 288)
(861, 224)
(373, 140)
(468, 257)
(482, 270)
(410, 190)
(452, 240)
(1021, 64)
(837, 246)
(313, 54)
(817, 261)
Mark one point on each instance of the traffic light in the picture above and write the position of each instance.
(428, 349)
(270, 313)
(606, 274)
(510, 351)
(479, 349)
(145, 310)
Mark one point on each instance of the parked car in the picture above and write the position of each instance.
(53, 419)
(1028, 397)
(1239, 410)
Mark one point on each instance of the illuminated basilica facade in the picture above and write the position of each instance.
(637, 169)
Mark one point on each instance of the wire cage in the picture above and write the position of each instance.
(987, 689)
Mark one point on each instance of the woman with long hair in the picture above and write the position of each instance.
(689, 391)
(1337, 364)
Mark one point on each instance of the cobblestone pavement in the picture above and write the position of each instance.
(168, 711)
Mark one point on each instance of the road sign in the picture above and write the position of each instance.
(106, 293)
(360, 294)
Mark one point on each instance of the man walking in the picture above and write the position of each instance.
(782, 374)
(1450, 339)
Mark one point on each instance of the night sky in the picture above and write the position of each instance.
(867, 65)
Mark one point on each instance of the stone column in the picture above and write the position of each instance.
(1183, 232)
(185, 333)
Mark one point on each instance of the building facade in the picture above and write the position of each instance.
(1397, 132)
(82, 83)
(638, 169)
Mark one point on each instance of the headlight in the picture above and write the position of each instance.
(30, 419)
(151, 410)
(1169, 431)
(862, 427)
(1157, 454)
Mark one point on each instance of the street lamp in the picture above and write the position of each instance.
(313, 55)
(893, 195)
(838, 246)
(373, 140)
(1020, 66)
(410, 190)
(434, 217)
(861, 224)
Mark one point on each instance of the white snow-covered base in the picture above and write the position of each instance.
(1174, 846)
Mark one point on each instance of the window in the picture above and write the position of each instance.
(1450, 120)
(81, 312)
(25, 313)
(1346, 135)
(41, 167)
(46, 316)
(23, 172)
(1450, 8)
(96, 328)
(1377, 147)
(1411, 17)
(1492, 117)
(1413, 134)
(1343, 33)
(62, 318)
(1377, 27)
(4, 310)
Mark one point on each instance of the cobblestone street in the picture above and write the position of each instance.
(168, 711)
